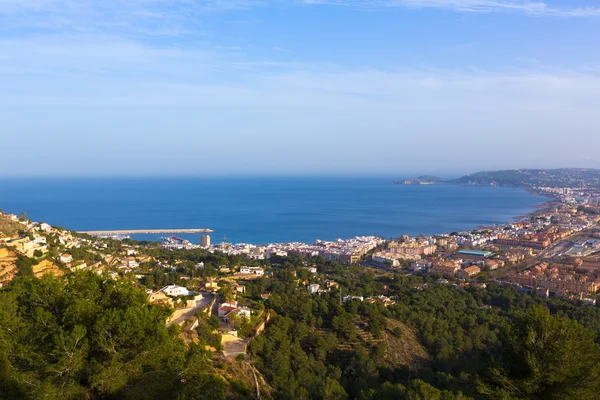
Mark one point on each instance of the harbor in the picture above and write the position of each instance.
(126, 232)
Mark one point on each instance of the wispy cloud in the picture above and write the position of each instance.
(180, 17)
(534, 8)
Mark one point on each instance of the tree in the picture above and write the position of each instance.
(547, 357)
(83, 336)
(227, 292)
(149, 281)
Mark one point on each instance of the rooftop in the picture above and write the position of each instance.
(479, 253)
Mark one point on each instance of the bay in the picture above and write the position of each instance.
(264, 210)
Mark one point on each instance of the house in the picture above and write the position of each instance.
(238, 288)
(331, 284)
(175, 291)
(212, 286)
(160, 298)
(243, 312)
(348, 298)
(418, 266)
(79, 267)
(313, 288)
(130, 262)
(41, 240)
(386, 301)
(252, 270)
(469, 271)
(312, 270)
(66, 258)
(125, 269)
(494, 264)
(446, 268)
(226, 310)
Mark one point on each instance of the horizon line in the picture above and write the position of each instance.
(291, 175)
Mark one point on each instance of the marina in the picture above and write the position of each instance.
(125, 232)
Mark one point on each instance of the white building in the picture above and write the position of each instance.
(39, 239)
(252, 270)
(174, 290)
(130, 262)
(313, 288)
(348, 298)
(66, 258)
(226, 310)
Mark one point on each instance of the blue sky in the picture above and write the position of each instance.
(293, 87)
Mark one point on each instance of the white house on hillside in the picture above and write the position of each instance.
(66, 258)
(175, 291)
(252, 270)
(313, 288)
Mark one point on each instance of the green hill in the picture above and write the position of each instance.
(562, 177)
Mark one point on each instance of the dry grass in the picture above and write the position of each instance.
(404, 349)
(9, 228)
(46, 267)
(8, 268)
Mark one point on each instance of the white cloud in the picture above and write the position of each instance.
(534, 8)
(176, 17)
(528, 7)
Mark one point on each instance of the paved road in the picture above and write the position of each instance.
(181, 314)
(215, 307)
(233, 346)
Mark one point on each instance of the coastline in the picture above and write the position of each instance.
(427, 227)
(313, 213)
(543, 208)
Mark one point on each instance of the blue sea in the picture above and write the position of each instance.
(256, 210)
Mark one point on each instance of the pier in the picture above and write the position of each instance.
(145, 231)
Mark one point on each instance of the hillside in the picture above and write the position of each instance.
(46, 267)
(403, 347)
(8, 267)
(563, 177)
(8, 227)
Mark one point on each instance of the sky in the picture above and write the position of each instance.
(297, 87)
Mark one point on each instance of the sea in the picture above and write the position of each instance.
(264, 210)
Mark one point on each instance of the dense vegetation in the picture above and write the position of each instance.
(90, 337)
(480, 342)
